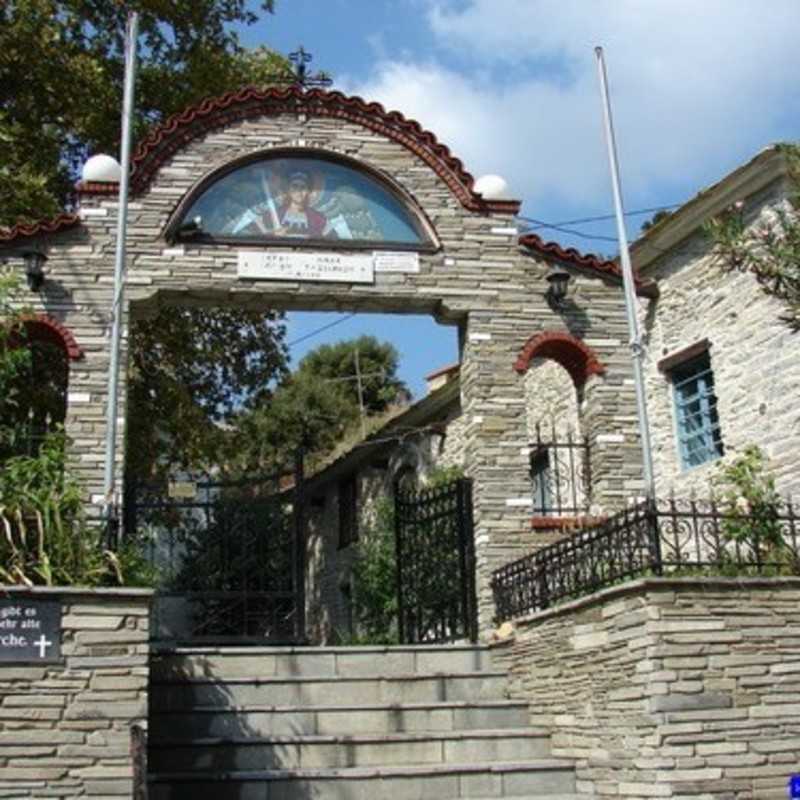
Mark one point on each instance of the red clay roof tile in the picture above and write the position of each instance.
(25, 230)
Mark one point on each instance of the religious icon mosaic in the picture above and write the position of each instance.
(296, 199)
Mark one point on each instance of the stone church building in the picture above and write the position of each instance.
(395, 225)
(297, 199)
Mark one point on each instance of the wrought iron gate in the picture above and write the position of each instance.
(230, 558)
(436, 564)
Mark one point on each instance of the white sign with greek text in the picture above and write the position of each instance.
(397, 262)
(336, 267)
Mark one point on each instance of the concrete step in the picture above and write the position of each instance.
(372, 689)
(317, 661)
(255, 720)
(316, 752)
(544, 779)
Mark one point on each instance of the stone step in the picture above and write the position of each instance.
(317, 661)
(544, 779)
(315, 752)
(204, 721)
(366, 689)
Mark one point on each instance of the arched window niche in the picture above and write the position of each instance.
(301, 199)
(555, 368)
(36, 403)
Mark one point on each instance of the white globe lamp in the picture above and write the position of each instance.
(101, 169)
(492, 187)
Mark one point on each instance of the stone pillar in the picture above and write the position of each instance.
(65, 728)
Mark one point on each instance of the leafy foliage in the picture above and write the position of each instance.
(317, 406)
(752, 502)
(375, 606)
(660, 215)
(45, 537)
(305, 414)
(769, 250)
(71, 54)
(191, 369)
(377, 363)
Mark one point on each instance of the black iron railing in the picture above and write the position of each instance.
(436, 564)
(677, 537)
(230, 557)
(560, 474)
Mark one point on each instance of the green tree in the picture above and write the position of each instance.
(305, 414)
(377, 365)
(61, 77)
(188, 368)
(191, 373)
(317, 407)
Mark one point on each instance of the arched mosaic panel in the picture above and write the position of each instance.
(301, 199)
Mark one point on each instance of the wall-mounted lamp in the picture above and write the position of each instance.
(34, 269)
(558, 278)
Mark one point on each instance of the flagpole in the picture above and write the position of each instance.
(637, 351)
(119, 264)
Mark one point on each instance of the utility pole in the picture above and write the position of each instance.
(360, 394)
(637, 351)
(119, 264)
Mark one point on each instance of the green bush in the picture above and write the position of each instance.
(752, 509)
(45, 537)
(375, 580)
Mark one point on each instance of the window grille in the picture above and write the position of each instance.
(560, 477)
(697, 422)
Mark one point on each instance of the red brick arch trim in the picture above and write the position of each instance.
(578, 359)
(58, 333)
(214, 113)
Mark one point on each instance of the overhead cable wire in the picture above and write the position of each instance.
(602, 218)
(320, 330)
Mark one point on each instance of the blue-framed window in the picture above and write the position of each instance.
(697, 422)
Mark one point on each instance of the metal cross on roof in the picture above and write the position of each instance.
(301, 76)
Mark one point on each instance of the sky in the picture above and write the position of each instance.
(510, 86)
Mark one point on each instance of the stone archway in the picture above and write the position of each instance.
(478, 274)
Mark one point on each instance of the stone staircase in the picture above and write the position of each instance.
(347, 723)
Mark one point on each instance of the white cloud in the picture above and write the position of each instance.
(697, 87)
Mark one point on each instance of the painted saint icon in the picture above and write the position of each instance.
(303, 199)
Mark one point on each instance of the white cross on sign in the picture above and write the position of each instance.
(43, 645)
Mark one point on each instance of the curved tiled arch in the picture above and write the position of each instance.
(180, 129)
(576, 357)
(59, 333)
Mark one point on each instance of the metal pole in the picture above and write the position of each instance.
(119, 262)
(360, 394)
(637, 350)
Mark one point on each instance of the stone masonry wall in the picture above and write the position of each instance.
(669, 687)
(65, 729)
(754, 356)
(479, 279)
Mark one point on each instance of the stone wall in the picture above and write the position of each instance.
(65, 729)
(669, 687)
(755, 358)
